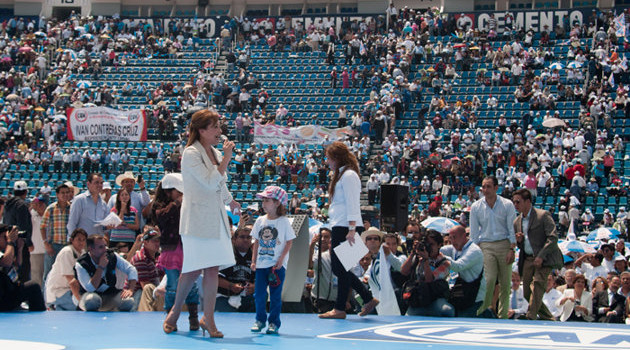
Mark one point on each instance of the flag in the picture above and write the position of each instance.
(571, 232)
(620, 26)
(384, 292)
(611, 80)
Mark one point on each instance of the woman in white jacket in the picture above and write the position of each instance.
(576, 303)
(204, 225)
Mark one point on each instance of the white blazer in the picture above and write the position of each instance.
(567, 308)
(205, 194)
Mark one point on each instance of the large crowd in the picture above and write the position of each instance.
(448, 156)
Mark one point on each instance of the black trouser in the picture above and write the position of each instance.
(346, 279)
(30, 292)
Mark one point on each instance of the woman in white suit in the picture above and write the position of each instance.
(576, 303)
(204, 225)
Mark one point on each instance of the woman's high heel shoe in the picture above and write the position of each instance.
(213, 333)
(168, 329)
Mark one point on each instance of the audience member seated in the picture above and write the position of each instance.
(608, 305)
(61, 286)
(144, 260)
(518, 303)
(576, 303)
(236, 283)
(96, 273)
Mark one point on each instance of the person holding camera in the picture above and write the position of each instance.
(12, 291)
(426, 292)
(17, 212)
(96, 273)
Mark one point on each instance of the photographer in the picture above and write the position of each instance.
(12, 291)
(427, 290)
(16, 212)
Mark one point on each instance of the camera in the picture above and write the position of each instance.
(22, 234)
(422, 245)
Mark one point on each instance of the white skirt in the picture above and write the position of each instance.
(201, 253)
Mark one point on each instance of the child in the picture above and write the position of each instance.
(274, 236)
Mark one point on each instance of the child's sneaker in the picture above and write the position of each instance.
(258, 326)
(272, 329)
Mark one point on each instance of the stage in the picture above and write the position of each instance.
(143, 330)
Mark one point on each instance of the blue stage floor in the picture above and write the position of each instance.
(79, 330)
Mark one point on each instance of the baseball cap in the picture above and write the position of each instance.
(173, 180)
(20, 186)
(274, 192)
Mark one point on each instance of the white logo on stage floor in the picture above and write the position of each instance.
(6, 344)
(507, 334)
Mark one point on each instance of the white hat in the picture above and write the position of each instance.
(173, 180)
(107, 185)
(20, 186)
(126, 175)
(74, 188)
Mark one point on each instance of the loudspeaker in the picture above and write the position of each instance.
(394, 207)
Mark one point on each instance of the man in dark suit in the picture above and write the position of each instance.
(609, 305)
(537, 240)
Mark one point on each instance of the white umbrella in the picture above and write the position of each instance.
(553, 122)
(556, 65)
(60, 117)
(440, 224)
(84, 84)
(575, 246)
(574, 64)
(603, 233)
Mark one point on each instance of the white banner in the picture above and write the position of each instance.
(106, 124)
(306, 134)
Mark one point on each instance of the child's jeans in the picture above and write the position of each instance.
(275, 300)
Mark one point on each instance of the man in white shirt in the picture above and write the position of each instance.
(466, 259)
(492, 229)
(518, 303)
(551, 296)
(593, 269)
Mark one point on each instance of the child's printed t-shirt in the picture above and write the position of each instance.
(272, 236)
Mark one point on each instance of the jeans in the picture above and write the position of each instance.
(65, 303)
(172, 278)
(438, 308)
(275, 297)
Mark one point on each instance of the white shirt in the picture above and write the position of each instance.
(550, 298)
(521, 303)
(56, 283)
(492, 224)
(36, 236)
(346, 205)
(272, 236)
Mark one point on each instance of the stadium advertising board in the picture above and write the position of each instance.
(523, 19)
(106, 124)
(304, 135)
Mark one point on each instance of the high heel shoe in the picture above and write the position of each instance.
(213, 333)
(168, 329)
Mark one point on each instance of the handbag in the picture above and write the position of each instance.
(463, 294)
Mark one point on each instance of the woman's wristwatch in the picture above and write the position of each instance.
(352, 228)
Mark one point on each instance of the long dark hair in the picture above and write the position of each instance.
(342, 156)
(201, 120)
(119, 203)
